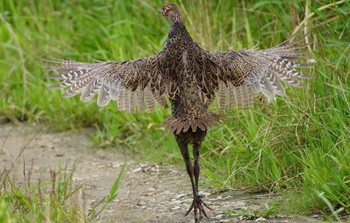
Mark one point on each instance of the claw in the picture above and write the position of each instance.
(190, 209)
(198, 204)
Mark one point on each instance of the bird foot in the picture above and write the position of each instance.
(198, 206)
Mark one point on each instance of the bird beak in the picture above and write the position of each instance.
(160, 11)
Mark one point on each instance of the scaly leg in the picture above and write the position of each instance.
(197, 200)
(193, 172)
(186, 157)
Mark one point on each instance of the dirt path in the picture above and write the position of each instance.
(149, 193)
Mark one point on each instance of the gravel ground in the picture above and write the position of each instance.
(148, 193)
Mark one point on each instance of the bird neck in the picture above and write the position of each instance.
(178, 29)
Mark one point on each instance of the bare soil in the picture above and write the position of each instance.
(148, 193)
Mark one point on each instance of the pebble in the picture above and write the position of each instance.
(261, 219)
(150, 168)
(173, 172)
(177, 202)
(180, 196)
(137, 170)
(151, 189)
(149, 193)
(176, 208)
(166, 192)
(219, 216)
(141, 203)
(204, 194)
(240, 203)
(115, 164)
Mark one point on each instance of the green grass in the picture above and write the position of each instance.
(53, 198)
(298, 146)
(56, 199)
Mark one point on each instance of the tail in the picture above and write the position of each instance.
(184, 124)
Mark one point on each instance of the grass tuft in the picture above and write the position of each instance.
(56, 200)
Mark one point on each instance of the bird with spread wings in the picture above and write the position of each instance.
(190, 78)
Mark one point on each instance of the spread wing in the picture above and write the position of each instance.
(135, 83)
(240, 75)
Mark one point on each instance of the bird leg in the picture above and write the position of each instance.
(196, 167)
(193, 172)
(197, 203)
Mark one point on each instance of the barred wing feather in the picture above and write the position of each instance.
(247, 72)
(134, 84)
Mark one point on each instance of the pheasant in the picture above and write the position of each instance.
(190, 78)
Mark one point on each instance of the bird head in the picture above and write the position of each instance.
(171, 13)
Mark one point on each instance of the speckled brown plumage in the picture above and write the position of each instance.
(191, 78)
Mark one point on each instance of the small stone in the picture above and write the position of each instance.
(155, 168)
(204, 194)
(261, 219)
(177, 202)
(149, 193)
(166, 192)
(176, 208)
(240, 203)
(315, 216)
(151, 189)
(180, 196)
(141, 203)
(137, 170)
(224, 220)
(115, 164)
(219, 216)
